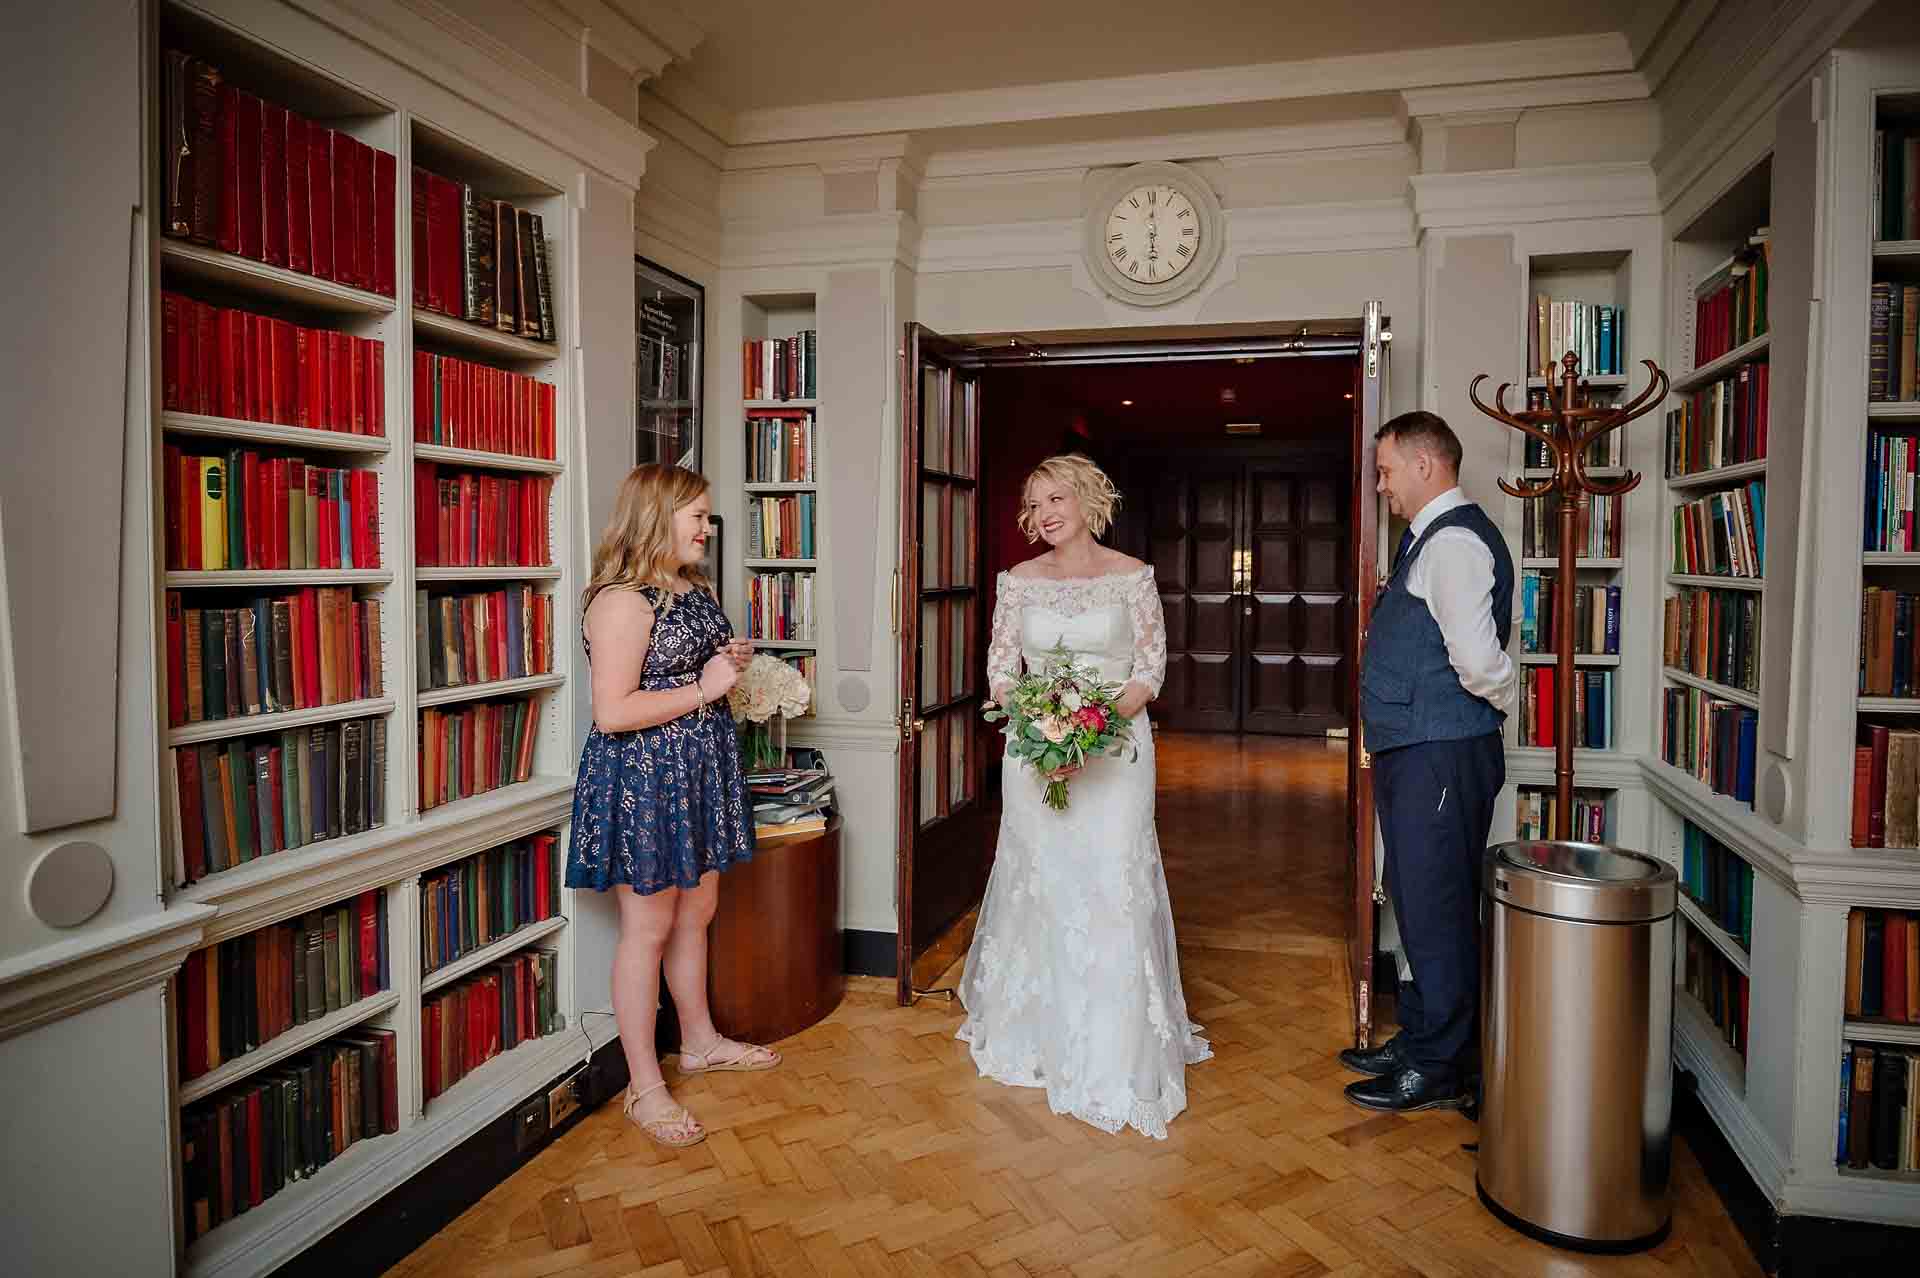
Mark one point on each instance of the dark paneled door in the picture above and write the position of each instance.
(1192, 539)
(1296, 599)
(1251, 559)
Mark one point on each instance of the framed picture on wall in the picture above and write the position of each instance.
(669, 318)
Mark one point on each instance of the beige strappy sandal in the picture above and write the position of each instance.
(658, 1129)
(753, 1059)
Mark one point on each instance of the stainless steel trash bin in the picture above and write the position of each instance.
(1576, 990)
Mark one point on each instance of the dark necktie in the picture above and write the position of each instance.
(1400, 552)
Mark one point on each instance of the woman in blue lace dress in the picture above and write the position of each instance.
(661, 806)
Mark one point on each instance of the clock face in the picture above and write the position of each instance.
(1153, 234)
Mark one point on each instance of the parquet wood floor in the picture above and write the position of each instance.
(876, 1150)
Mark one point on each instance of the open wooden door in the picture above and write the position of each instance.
(1370, 411)
(945, 844)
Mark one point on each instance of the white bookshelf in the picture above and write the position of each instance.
(402, 111)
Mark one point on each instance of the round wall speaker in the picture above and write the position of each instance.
(853, 694)
(68, 885)
(1776, 793)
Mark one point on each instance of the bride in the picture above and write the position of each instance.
(1072, 982)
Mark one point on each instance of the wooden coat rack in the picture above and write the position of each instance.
(1567, 425)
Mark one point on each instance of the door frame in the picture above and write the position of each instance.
(1275, 340)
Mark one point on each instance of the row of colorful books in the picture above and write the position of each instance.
(780, 446)
(1598, 528)
(1730, 307)
(468, 638)
(248, 176)
(248, 797)
(1879, 1123)
(780, 527)
(1594, 331)
(1883, 966)
(780, 605)
(474, 902)
(242, 993)
(1889, 658)
(1724, 424)
(467, 1024)
(460, 404)
(1537, 812)
(1713, 634)
(475, 747)
(1596, 615)
(219, 361)
(1886, 787)
(1719, 881)
(780, 367)
(1709, 738)
(479, 259)
(317, 646)
(1593, 706)
(1718, 986)
(467, 520)
(249, 509)
(1893, 465)
(1723, 534)
(244, 1145)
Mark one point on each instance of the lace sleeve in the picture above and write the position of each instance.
(1003, 644)
(1149, 633)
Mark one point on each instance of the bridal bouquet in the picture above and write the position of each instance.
(768, 689)
(1058, 719)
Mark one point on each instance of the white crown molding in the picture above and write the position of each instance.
(469, 62)
(828, 155)
(670, 217)
(715, 118)
(1661, 32)
(887, 236)
(598, 27)
(1557, 193)
(71, 976)
(1053, 242)
(662, 21)
(1522, 95)
(1222, 144)
(671, 121)
(1580, 55)
(1774, 57)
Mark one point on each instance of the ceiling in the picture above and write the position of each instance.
(758, 55)
(1181, 402)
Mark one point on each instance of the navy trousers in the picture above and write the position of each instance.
(1436, 811)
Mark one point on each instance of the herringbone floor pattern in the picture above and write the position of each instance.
(876, 1150)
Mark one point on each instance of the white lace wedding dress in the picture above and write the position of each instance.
(1072, 982)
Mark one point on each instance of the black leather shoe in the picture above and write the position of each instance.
(1407, 1090)
(1375, 1061)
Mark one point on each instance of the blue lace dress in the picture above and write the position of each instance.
(658, 807)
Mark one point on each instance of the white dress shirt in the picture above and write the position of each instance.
(1454, 576)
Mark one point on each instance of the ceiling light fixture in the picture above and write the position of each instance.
(1127, 403)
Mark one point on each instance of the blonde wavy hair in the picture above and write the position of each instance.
(636, 548)
(1098, 497)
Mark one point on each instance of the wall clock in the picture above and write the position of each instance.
(1154, 233)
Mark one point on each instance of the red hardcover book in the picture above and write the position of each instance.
(299, 197)
(1877, 801)
(417, 198)
(346, 213)
(422, 397)
(369, 917)
(340, 357)
(193, 827)
(259, 373)
(188, 484)
(303, 405)
(283, 997)
(370, 515)
(429, 1057)
(385, 180)
(549, 421)
(247, 109)
(285, 384)
(438, 232)
(273, 184)
(320, 198)
(227, 237)
(366, 214)
(278, 539)
(232, 400)
(377, 388)
(1893, 968)
(173, 354)
(357, 383)
(310, 626)
(206, 347)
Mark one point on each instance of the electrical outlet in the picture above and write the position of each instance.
(529, 1124)
(564, 1097)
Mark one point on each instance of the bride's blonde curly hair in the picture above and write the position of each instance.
(1098, 497)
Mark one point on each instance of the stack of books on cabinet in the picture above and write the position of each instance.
(780, 387)
(352, 697)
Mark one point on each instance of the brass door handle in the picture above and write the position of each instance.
(919, 724)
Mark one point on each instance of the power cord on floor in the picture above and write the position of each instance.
(587, 1057)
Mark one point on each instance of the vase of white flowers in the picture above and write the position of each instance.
(768, 692)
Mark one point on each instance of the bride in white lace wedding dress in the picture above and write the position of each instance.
(1072, 982)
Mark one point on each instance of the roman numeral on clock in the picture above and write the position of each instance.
(1185, 250)
(1120, 254)
(1115, 238)
(1186, 212)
